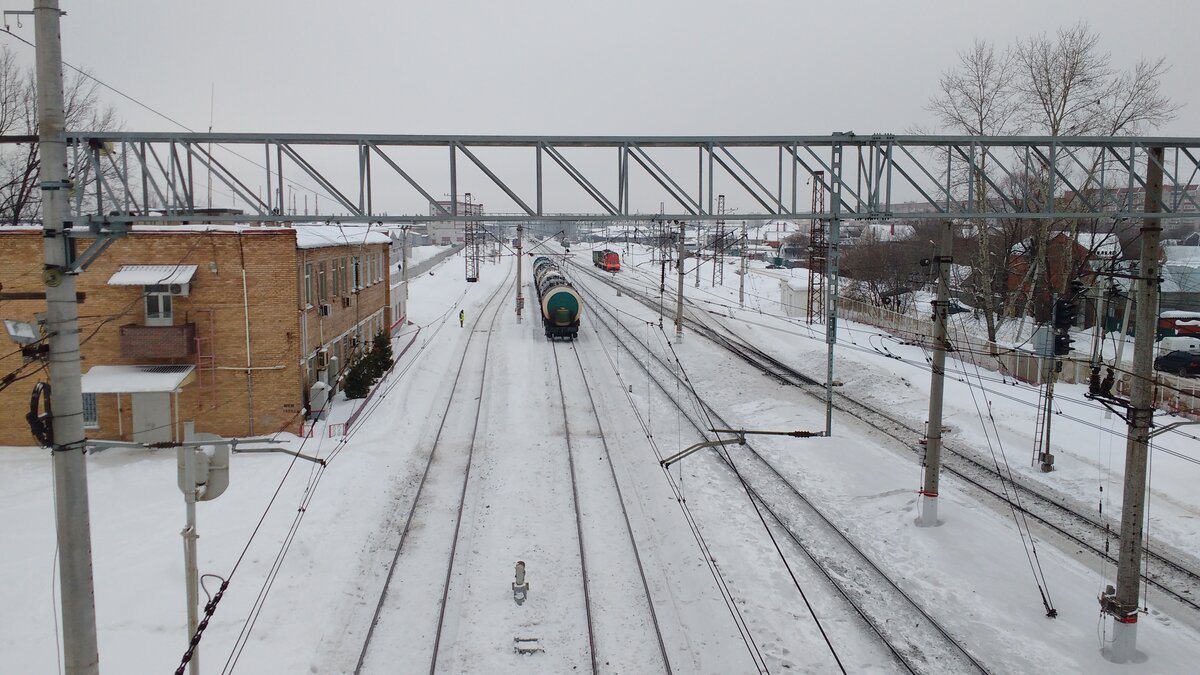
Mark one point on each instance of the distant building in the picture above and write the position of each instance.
(222, 327)
(449, 232)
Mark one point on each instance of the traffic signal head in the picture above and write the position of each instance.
(1077, 288)
(1065, 314)
(1062, 344)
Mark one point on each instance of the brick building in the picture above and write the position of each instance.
(222, 327)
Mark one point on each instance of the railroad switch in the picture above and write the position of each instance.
(520, 587)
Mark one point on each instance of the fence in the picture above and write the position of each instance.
(417, 269)
(1179, 395)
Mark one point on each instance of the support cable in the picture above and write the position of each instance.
(1014, 499)
(753, 502)
(693, 525)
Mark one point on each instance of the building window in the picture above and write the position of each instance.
(308, 294)
(356, 265)
(91, 417)
(335, 281)
(158, 305)
(322, 288)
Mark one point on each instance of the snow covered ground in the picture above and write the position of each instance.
(303, 592)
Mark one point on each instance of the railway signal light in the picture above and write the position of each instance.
(1062, 344)
(1065, 313)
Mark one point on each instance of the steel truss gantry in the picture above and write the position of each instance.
(128, 177)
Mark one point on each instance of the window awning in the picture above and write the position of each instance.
(152, 275)
(135, 379)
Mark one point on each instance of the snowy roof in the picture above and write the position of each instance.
(1185, 256)
(1104, 244)
(152, 275)
(888, 231)
(135, 379)
(1100, 244)
(310, 235)
(320, 236)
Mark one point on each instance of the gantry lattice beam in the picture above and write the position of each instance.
(126, 177)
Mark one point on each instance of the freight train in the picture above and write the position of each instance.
(560, 303)
(607, 260)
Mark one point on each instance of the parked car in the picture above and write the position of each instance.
(1179, 362)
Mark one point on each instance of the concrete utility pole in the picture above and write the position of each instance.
(831, 278)
(1045, 458)
(933, 435)
(62, 322)
(520, 258)
(187, 456)
(1123, 604)
(679, 297)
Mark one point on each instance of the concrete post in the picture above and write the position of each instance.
(679, 296)
(1123, 606)
(62, 318)
(831, 278)
(933, 435)
(191, 570)
(742, 279)
(520, 258)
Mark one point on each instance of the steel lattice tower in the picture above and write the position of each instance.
(473, 241)
(817, 252)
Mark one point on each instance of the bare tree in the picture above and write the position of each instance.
(20, 198)
(884, 273)
(1068, 87)
(978, 97)
(1058, 85)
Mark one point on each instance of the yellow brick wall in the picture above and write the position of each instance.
(224, 400)
(348, 307)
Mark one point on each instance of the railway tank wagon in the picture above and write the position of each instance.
(560, 303)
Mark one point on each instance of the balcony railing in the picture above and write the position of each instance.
(158, 342)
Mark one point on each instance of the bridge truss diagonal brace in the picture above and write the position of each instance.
(577, 176)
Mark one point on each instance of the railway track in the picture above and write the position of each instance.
(435, 497)
(921, 646)
(1166, 572)
(612, 633)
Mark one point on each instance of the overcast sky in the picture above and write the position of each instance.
(564, 67)
(618, 67)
